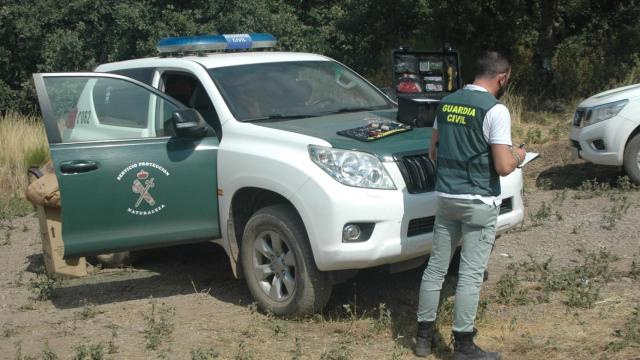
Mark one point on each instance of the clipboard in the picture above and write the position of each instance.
(529, 157)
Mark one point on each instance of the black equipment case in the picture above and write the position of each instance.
(420, 80)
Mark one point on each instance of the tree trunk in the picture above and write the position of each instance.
(546, 36)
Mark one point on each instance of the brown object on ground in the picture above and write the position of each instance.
(53, 248)
(44, 191)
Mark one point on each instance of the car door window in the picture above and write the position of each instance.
(97, 108)
(187, 89)
(144, 75)
(118, 103)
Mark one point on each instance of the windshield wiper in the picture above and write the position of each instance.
(355, 109)
(303, 116)
(279, 117)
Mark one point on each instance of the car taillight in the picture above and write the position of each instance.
(71, 118)
(408, 87)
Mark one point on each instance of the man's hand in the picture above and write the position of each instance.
(521, 153)
(503, 159)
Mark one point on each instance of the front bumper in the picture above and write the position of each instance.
(392, 211)
(602, 143)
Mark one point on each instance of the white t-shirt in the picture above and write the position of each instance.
(497, 130)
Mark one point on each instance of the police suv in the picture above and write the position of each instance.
(291, 161)
(606, 129)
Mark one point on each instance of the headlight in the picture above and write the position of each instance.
(604, 112)
(352, 168)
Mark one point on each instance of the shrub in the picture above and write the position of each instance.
(42, 287)
(158, 325)
(22, 143)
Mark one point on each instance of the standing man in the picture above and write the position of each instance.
(471, 142)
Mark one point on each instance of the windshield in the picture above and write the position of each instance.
(282, 90)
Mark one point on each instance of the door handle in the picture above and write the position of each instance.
(78, 166)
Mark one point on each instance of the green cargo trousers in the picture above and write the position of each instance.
(474, 222)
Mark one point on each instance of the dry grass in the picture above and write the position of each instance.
(22, 143)
(550, 331)
(515, 104)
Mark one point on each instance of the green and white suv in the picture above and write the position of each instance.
(241, 148)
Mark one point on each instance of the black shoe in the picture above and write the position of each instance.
(465, 349)
(425, 338)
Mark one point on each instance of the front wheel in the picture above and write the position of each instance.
(278, 264)
(632, 159)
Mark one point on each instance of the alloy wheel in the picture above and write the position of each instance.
(274, 266)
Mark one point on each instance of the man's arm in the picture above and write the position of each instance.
(433, 148)
(504, 160)
(497, 131)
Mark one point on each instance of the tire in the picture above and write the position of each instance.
(278, 264)
(631, 159)
(114, 260)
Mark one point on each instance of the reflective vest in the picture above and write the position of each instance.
(465, 162)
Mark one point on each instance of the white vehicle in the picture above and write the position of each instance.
(259, 168)
(606, 129)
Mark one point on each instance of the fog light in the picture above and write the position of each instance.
(598, 144)
(351, 232)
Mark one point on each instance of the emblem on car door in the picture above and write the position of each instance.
(143, 190)
(144, 203)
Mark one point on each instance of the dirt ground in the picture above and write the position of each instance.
(184, 303)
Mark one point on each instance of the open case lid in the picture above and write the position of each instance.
(419, 74)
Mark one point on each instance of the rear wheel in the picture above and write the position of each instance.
(114, 260)
(278, 264)
(632, 159)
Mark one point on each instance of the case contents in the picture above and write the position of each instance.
(376, 129)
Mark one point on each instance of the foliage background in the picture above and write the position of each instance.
(560, 50)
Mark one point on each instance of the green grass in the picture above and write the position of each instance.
(244, 352)
(38, 155)
(159, 325)
(542, 215)
(43, 287)
(48, 354)
(635, 267)
(22, 143)
(88, 352)
(580, 284)
(340, 351)
(629, 335)
(510, 290)
(11, 207)
(204, 353)
(618, 209)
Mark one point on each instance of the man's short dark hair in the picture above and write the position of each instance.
(491, 63)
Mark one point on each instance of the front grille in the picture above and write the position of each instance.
(577, 118)
(421, 226)
(506, 206)
(576, 144)
(418, 172)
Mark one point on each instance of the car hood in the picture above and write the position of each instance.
(326, 127)
(621, 93)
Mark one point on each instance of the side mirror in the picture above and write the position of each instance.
(188, 123)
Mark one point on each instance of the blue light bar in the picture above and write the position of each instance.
(216, 42)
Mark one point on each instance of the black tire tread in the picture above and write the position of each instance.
(630, 161)
(312, 295)
(116, 259)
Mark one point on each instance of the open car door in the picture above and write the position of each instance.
(126, 180)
